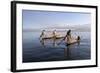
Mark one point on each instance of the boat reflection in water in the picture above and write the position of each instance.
(36, 49)
(55, 43)
(67, 50)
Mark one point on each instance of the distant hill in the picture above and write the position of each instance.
(81, 27)
(84, 27)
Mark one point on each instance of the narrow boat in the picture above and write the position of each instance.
(52, 37)
(74, 41)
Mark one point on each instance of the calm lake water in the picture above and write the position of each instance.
(36, 50)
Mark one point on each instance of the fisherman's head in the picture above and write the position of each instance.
(68, 32)
(78, 38)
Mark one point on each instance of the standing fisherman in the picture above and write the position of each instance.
(42, 34)
(54, 34)
(70, 40)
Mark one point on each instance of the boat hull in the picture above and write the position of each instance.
(52, 37)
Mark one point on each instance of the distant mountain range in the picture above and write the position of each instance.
(81, 27)
(84, 27)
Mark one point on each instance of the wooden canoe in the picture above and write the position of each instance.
(52, 37)
(77, 41)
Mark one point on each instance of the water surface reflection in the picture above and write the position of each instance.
(38, 50)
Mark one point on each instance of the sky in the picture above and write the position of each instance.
(33, 19)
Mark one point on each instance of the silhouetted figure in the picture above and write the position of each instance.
(42, 34)
(54, 34)
(71, 40)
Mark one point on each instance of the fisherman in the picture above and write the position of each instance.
(54, 34)
(42, 34)
(69, 39)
